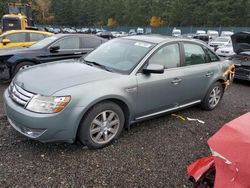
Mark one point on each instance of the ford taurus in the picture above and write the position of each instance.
(123, 81)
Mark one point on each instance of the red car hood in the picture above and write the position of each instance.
(231, 148)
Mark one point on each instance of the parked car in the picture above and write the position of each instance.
(132, 32)
(125, 80)
(204, 37)
(140, 31)
(57, 47)
(228, 166)
(105, 34)
(220, 42)
(226, 51)
(176, 32)
(212, 34)
(241, 46)
(201, 32)
(226, 34)
(21, 38)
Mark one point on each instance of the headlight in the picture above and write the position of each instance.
(47, 105)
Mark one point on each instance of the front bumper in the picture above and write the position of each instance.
(59, 127)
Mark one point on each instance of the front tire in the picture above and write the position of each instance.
(213, 96)
(101, 125)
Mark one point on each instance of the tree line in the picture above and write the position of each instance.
(153, 13)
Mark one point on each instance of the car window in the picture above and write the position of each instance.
(17, 37)
(68, 43)
(212, 56)
(168, 56)
(194, 54)
(91, 42)
(36, 36)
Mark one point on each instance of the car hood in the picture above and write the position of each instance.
(241, 42)
(230, 146)
(48, 78)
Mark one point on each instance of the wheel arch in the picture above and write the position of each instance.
(123, 104)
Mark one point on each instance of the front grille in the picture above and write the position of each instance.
(19, 95)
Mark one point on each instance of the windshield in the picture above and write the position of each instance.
(43, 43)
(120, 55)
(221, 40)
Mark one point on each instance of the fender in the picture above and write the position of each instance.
(15, 59)
(197, 169)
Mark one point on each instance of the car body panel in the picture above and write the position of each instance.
(230, 149)
(200, 167)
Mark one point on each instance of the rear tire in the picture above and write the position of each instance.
(22, 66)
(213, 97)
(101, 125)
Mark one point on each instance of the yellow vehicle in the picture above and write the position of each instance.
(19, 17)
(21, 38)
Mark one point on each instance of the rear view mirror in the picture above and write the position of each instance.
(5, 41)
(54, 48)
(153, 68)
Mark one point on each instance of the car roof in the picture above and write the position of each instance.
(60, 35)
(26, 31)
(157, 39)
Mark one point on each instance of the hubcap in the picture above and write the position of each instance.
(215, 97)
(104, 127)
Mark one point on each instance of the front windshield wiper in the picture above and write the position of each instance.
(91, 63)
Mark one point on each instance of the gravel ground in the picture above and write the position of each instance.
(154, 153)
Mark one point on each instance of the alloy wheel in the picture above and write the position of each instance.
(104, 127)
(215, 97)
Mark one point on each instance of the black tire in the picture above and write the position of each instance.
(20, 65)
(206, 105)
(84, 135)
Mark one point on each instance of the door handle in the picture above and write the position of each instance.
(209, 74)
(176, 81)
(77, 53)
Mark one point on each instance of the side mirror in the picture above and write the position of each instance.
(153, 68)
(5, 41)
(54, 49)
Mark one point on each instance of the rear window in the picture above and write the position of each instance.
(36, 36)
(194, 54)
(17, 37)
(91, 42)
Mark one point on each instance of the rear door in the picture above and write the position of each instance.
(198, 72)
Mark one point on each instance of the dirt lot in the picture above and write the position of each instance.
(154, 153)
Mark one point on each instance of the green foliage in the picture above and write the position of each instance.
(139, 12)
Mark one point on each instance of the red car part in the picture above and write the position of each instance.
(231, 153)
(197, 169)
